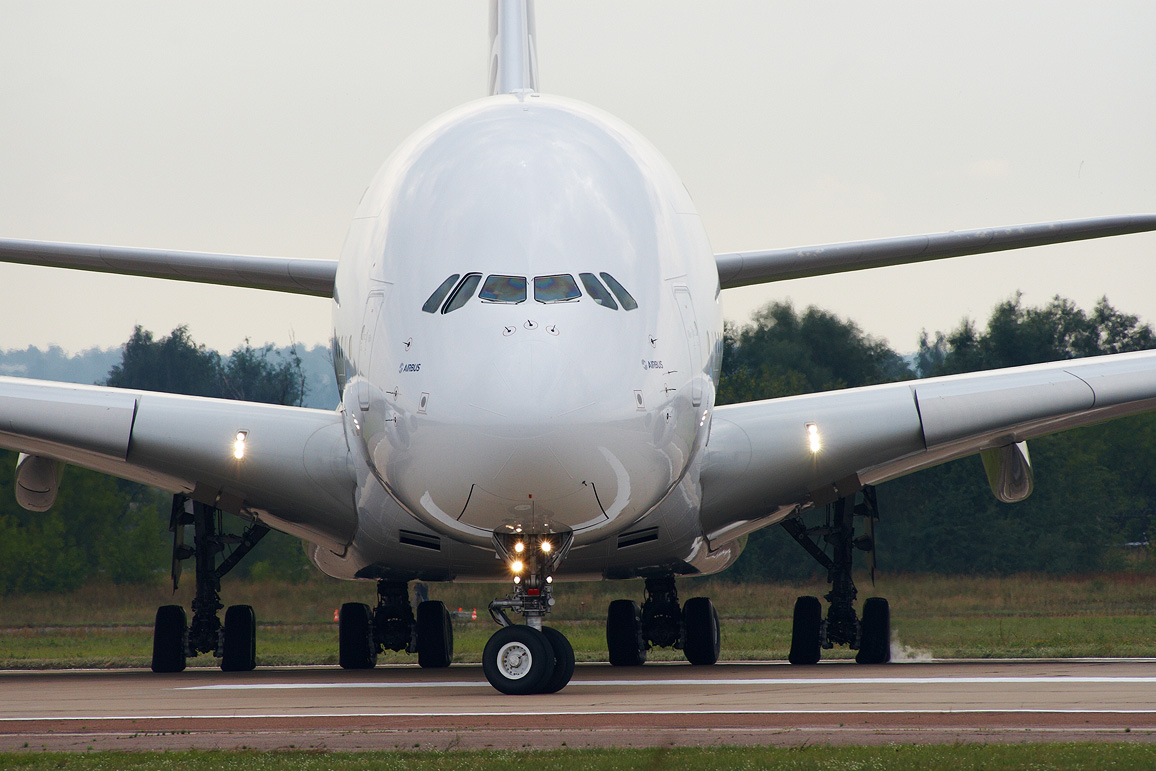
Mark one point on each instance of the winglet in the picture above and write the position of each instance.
(513, 55)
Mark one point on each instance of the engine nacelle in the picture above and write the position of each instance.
(37, 481)
(1009, 471)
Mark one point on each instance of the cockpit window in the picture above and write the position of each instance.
(556, 289)
(435, 299)
(596, 291)
(504, 289)
(628, 303)
(463, 293)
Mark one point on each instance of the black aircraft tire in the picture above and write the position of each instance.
(518, 660)
(170, 638)
(356, 648)
(624, 638)
(806, 625)
(435, 635)
(239, 652)
(563, 660)
(875, 641)
(703, 639)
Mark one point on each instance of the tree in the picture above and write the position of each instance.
(783, 353)
(173, 364)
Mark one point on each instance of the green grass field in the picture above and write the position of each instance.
(938, 616)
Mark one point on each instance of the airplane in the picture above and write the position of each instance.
(527, 338)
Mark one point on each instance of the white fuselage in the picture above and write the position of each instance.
(556, 415)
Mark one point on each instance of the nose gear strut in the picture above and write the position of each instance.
(528, 658)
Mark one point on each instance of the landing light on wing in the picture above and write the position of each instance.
(239, 445)
(813, 437)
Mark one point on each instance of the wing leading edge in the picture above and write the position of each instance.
(744, 268)
(296, 474)
(758, 468)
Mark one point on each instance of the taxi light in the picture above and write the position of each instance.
(813, 437)
(517, 580)
(239, 445)
(516, 566)
(519, 547)
(546, 547)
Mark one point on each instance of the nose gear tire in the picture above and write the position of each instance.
(518, 660)
(563, 660)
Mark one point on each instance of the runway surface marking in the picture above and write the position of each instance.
(679, 682)
(583, 713)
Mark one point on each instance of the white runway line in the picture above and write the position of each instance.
(1052, 679)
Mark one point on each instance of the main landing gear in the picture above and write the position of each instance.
(364, 632)
(631, 631)
(528, 658)
(810, 633)
(174, 639)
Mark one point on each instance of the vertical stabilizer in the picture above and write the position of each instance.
(513, 56)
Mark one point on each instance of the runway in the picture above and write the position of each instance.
(658, 704)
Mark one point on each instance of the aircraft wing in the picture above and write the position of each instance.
(744, 268)
(759, 468)
(296, 474)
(281, 274)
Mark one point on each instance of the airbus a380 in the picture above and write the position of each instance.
(527, 341)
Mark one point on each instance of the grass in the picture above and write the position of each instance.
(965, 757)
(945, 617)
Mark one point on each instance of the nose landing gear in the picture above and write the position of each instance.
(528, 658)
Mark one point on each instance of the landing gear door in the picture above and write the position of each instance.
(690, 327)
(365, 347)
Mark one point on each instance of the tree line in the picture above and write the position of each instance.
(1095, 488)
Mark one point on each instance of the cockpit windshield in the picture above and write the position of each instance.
(511, 290)
(555, 289)
(504, 289)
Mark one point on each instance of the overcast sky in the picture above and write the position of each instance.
(254, 127)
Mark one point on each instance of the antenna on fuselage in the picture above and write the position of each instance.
(513, 54)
